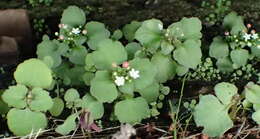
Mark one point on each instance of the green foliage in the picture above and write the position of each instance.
(23, 122)
(73, 16)
(68, 125)
(96, 32)
(212, 112)
(212, 115)
(108, 91)
(130, 29)
(57, 107)
(218, 48)
(109, 52)
(132, 110)
(95, 107)
(234, 23)
(41, 101)
(38, 76)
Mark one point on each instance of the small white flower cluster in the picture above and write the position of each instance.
(69, 33)
(244, 38)
(128, 75)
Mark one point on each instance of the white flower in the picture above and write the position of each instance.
(255, 36)
(75, 31)
(258, 46)
(247, 36)
(134, 73)
(160, 26)
(65, 26)
(120, 80)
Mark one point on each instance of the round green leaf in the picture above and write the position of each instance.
(218, 48)
(181, 70)
(212, 115)
(109, 52)
(41, 101)
(252, 92)
(117, 34)
(234, 22)
(132, 110)
(131, 49)
(166, 67)
(189, 55)
(15, 96)
(225, 65)
(103, 88)
(130, 29)
(256, 117)
(68, 125)
(33, 73)
(24, 122)
(73, 16)
(57, 107)
(95, 107)
(127, 88)
(225, 92)
(71, 95)
(88, 76)
(150, 93)
(78, 55)
(146, 70)
(187, 28)
(239, 57)
(150, 34)
(96, 33)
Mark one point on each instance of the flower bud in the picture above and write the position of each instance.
(125, 64)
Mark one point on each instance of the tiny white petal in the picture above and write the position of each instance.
(65, 26)
(258, 46)
(247, 36)
(134, 73)
(75, 30)
(255, 36)
(120, 81)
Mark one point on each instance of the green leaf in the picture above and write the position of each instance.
(73, 16)
(38, 76)
(256, 117)
(103, 88)
(96, 33)
(132, 110)
(166, 47)
(212, 115)
(117, 34)
(234, 22)
(41, 101)
(166, 67)
(57, 107)
(150, 93)
(189, 55)
(88, 76)
(225, 92)
(252, 92)
(4, 107)
(127, 88)
(24, 122)
(225, 65)
(48, 48)
(95, 107)
(130, 29)
(109, 52)
(150, 34)
(256, 51)
(71, 95)
(181, 70)
(187, 28)
(146, 70)
(131, 49)
(15, 96)
(218, 48)
(78, 55)
(68, 125)
(239, 57)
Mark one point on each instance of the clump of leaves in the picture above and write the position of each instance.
(212, 112)
(28, 99)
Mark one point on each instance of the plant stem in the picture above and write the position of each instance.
(178, 109)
